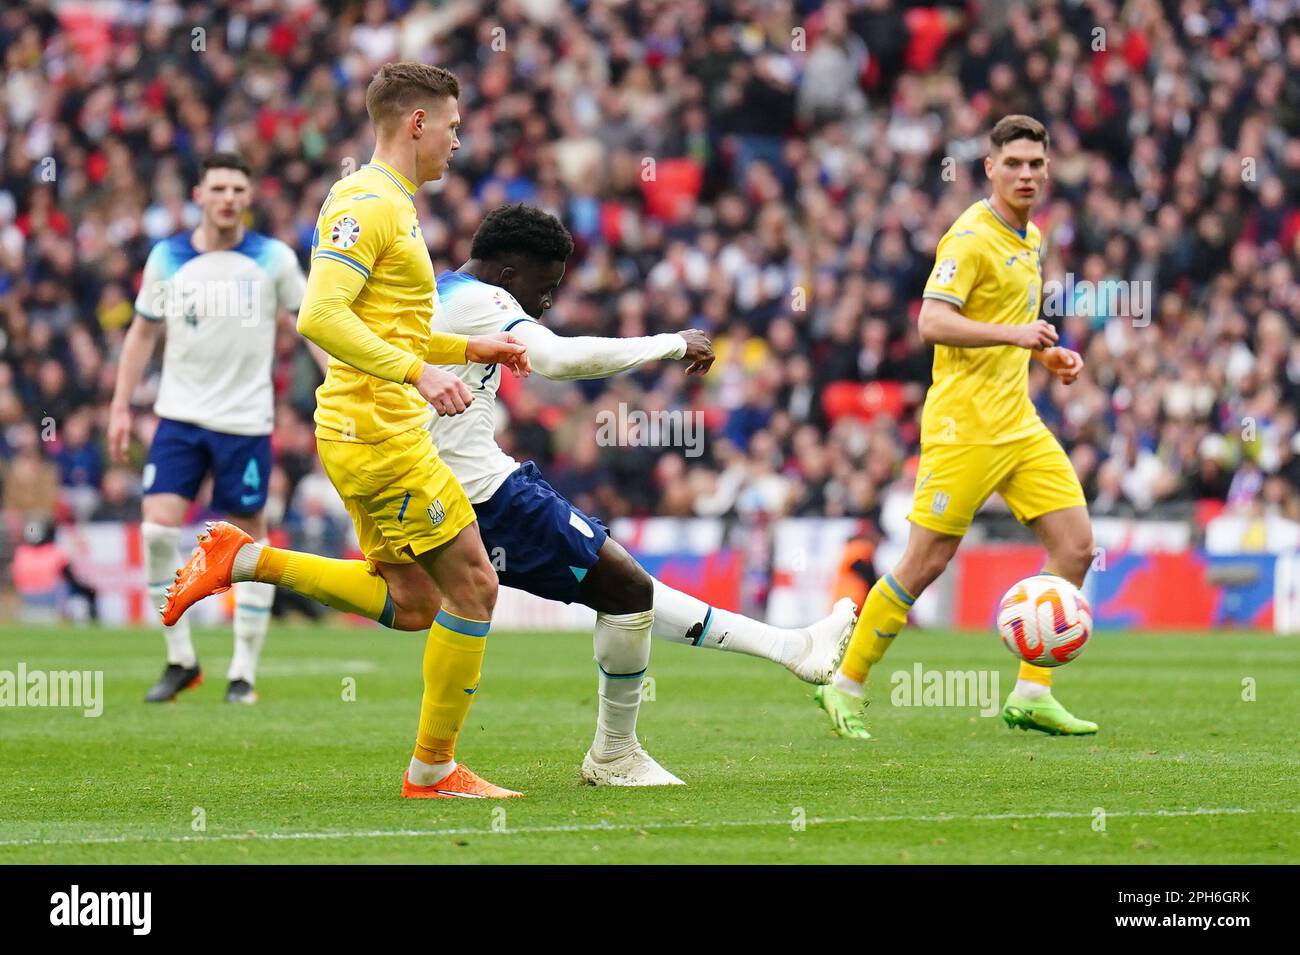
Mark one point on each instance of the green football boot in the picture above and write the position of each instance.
(845, 711)
(1045, 715)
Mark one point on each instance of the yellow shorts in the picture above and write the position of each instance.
(403, 499)
(1033, 474)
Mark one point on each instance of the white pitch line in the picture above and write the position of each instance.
(624, 827)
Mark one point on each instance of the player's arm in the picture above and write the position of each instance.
(338, 273)
(571, 359)
(340, 267)
(286, 329)
(137, 350)
(940, 323)
(327, 319)
(960, 263)
(318, 355)
(151, 304)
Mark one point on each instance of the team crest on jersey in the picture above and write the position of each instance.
(345, 232)
(945, 271)
(436, 512)
(940, 503)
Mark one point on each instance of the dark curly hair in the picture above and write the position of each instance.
(521, 229)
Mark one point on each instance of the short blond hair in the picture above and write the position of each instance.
(399, 88)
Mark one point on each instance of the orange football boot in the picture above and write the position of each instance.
(461, 783)
(207, 572)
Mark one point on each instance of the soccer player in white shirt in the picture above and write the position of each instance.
(218, 291)
(542, 544)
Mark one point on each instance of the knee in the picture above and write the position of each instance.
(634, 591)
(638, 591)
(415, 613)
(1078, 555)
(414, 607)
(476, 592)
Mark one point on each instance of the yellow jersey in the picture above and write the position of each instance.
(992, 272)
(369, 303)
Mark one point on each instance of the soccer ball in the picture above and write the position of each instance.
(1045, 621)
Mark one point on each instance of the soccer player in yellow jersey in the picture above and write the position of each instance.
(369, 305)
(979, 430)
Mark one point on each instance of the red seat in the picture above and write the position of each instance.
(864, 400)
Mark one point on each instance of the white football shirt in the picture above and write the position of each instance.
(220, 309)
(467, 442)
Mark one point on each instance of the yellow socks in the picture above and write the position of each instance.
(346, 585)
(883, 616)
(1037, 676)
(452, 658)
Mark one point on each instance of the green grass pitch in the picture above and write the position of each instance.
(1185, 770)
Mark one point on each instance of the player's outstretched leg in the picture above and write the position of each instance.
(811, 653)
(1067, 535)
(226, 555)
(882, 618)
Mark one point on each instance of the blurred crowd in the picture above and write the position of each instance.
(777, 172)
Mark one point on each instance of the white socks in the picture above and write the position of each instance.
(244, 566)
(160, 564)
(851, 687)
(1031, 690)
(426, 774)
(682, 618)
(252, 618)
(622, 645)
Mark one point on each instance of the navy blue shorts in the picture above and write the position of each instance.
(182, 455)
(538, 541)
